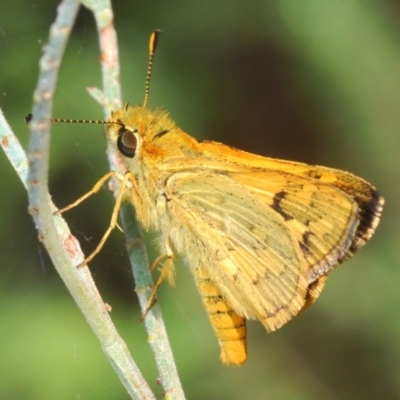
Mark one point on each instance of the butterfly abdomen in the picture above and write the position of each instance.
(229, 327)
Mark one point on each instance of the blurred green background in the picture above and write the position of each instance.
(312, 81)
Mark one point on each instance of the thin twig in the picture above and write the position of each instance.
(13, 149)
(168, 374)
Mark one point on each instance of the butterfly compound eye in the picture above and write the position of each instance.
(127, 143)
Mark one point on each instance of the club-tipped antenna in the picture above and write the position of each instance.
(152, 49)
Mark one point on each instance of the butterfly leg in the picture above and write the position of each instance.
(114, 216)
(94, 190)
(229, 327)
(156, 262)
(167, 272)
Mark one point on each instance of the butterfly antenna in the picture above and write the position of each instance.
(29, 117)
(152, 49)
(79, 121)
